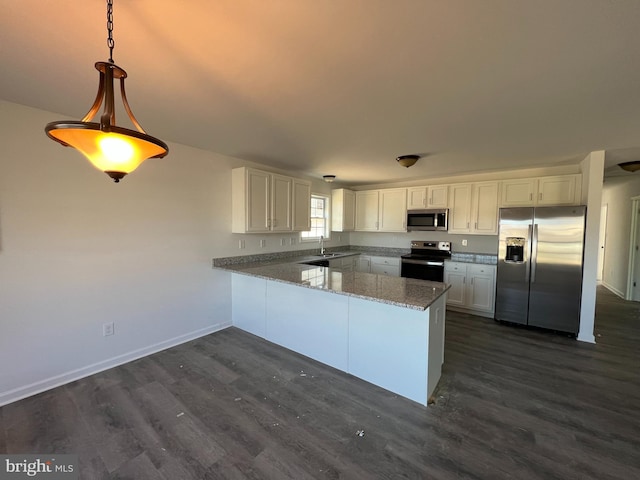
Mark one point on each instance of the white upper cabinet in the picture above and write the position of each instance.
(301, 208)
(416, 197)
(381, 210)
(518, 193)
(473, 208)
(367, 211)
(281, 203)
(484, 211)
(435, 196)
(554, 190)
(267, 202)
(460, 208)
(343, 210)
(251, 200)
(393, 210)
(559, 190)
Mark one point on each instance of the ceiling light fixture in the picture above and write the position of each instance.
(114, 150)
(407, 160)
(329, 178)
(630, 166)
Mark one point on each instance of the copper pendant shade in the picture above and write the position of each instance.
(114, 150)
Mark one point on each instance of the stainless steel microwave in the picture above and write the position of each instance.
(428, 219)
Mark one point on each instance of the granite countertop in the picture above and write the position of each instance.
(403, 292)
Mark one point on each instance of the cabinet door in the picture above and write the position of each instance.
(437, 196)
(416, 197)
(460, 208)
(349, 211)
(485, 208)
(518, 193)
(343, 210)
(301, 205)
(481, 280)
(258, 186)
(281, 191)
(363, 264)
(393, 210)
(560, 190)
(386, 266)
(367, 210)
(457, 279)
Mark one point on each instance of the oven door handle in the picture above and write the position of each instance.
(423, 262)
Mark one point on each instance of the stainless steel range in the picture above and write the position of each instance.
(426, 260)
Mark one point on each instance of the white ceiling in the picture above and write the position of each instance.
(344, 86)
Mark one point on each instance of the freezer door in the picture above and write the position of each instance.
(512, 284)
(556, 269)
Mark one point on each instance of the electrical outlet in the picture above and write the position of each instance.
(107, 329)
(263, 243)
(464, 242)
(240, 244)
(283, 241)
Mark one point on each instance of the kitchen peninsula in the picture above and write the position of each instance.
(386, 330)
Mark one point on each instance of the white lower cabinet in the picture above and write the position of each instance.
(346, 264)
(473, 287)
(363, 264)
(386, 266)
(380, 265)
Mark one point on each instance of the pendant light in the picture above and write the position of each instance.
(114, 150)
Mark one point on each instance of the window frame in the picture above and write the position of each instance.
(327, 219)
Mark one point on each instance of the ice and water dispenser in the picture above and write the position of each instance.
(515, 249)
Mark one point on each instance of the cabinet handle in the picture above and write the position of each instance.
(471, 280)
(464, 280)
(269, 223)
(467, 224)
(540, 196)
(475, 225)
(530, 196)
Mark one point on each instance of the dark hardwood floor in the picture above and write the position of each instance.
(512, 403)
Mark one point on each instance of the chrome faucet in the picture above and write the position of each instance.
(321, 244)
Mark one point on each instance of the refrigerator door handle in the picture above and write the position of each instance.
(534, 253)
(527, 261)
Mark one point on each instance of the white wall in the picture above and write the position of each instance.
(617, 194)
(77, 251)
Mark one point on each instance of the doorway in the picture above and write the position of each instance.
(602, 239)
(633, 280)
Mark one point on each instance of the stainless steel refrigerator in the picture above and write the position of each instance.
(540, 258)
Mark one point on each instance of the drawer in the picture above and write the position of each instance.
(455, 266)
(391, 261)
(479, 269)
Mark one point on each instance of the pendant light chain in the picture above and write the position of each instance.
(110, 42)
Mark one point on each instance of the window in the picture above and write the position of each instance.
(319, 218)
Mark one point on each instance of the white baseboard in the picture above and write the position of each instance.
(73, 375)
(614, 290)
